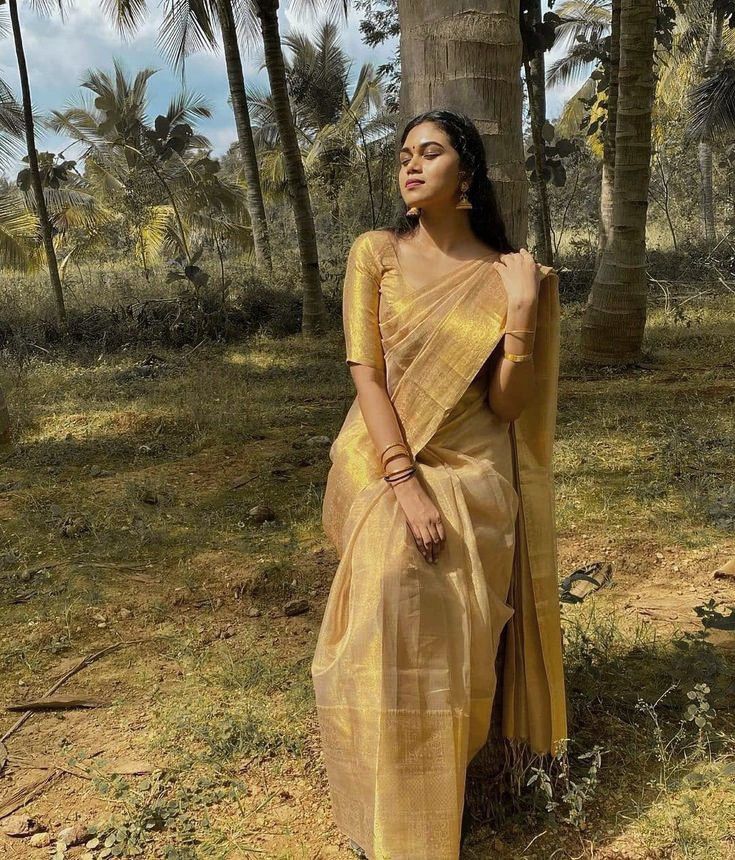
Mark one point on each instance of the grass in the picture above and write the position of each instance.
(124, 515)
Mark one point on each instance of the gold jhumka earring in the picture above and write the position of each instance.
(413, 212)
(464, 201)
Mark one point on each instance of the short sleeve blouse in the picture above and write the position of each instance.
(360, 300)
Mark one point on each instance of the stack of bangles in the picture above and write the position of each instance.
(398, 475)
(526, 356)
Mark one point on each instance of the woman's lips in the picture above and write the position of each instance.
(414, 183)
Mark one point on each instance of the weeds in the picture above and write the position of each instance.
(576, 796)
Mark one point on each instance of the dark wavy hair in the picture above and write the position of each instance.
(486, 219)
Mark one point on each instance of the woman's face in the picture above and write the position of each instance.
(428, 159)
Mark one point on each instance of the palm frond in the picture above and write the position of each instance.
(155, 235)
(248, 27)
(185, 106)
(712, 105)
(187, 28)
(307, 10)
(574, 110)
(567, 70)
(590, 19)
(126, 15)
(19, 232)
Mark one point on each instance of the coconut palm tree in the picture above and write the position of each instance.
(158, 175)
(589, 32)
(314, 317)
(702, 44)
(337, 124)
(35, 175)
(191, 25)
(615, 314)
(192, 22)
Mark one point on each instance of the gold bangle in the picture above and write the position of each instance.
(394, 445)
(518, 358)
(393, 457)
(399, 475)
(520, 331)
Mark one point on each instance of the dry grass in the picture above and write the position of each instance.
(125, 482)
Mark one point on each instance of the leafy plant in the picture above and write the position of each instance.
(576, 795)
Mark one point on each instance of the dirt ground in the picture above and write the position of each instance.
(126, 523)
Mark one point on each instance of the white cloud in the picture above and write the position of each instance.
(60, 52)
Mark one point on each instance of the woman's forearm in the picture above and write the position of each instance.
(379, 415)
(511, 382)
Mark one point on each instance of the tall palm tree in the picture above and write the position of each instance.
(615, 314)
(590, 33)
(11, 127)
(336, 124)
(193, 28)
(35, 174)
(165, 192)
(191, 25)
(250, 169)
(314, 316)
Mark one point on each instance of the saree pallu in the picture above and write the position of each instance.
(404, 665)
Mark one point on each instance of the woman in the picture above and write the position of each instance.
(440, 503)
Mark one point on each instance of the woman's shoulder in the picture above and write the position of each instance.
(374, 238)
(372, 244)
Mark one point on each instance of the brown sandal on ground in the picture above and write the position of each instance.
(584, 581)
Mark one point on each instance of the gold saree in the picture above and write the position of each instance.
(403, 669)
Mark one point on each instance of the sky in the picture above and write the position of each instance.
(60, 52)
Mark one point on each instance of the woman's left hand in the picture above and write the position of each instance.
(521, 276)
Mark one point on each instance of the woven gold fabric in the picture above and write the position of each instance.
(403, 669)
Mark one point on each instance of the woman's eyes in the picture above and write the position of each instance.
(426, 155)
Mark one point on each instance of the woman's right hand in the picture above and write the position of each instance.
(422, 517)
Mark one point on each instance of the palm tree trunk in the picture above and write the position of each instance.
(704, 148)
(608, 146)
(314, 316)
(535, 69)
(48, 242)
(615, 316)
(470, 59)
(5, 437)
(236, 81)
